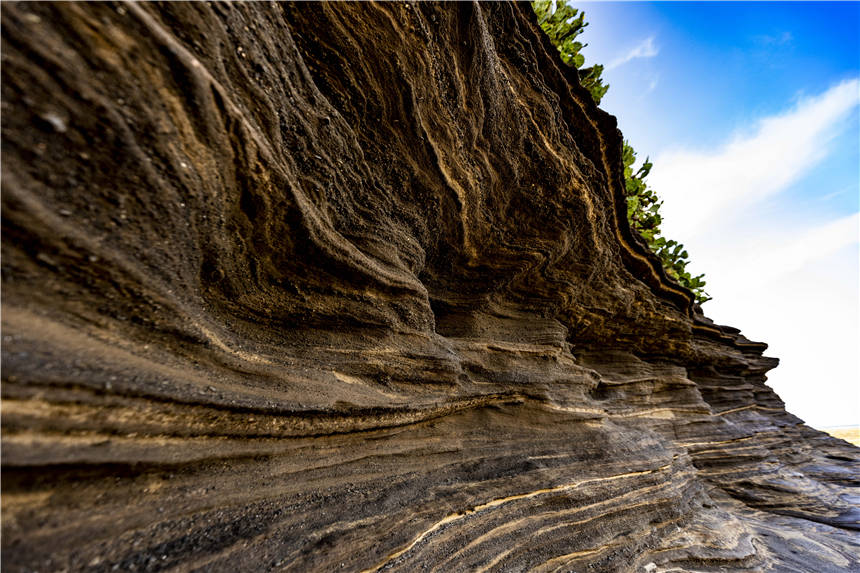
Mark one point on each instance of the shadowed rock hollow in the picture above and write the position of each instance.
(350, 287)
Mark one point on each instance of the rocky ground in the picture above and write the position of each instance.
(325, 287)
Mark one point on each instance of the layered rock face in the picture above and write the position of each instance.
(325, 287)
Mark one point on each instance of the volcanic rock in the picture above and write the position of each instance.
(350, 286)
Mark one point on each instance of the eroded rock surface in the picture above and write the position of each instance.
(350, 287)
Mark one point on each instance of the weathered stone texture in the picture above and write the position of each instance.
(350, 287)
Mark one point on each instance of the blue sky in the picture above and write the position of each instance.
(749, 112)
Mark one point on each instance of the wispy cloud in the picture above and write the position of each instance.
(838, 192)
(699, 187)
(774, 40)
(783, 271)
(652, 85)
(773, 251)
(645, 49)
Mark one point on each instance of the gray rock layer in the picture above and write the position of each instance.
(325, 287)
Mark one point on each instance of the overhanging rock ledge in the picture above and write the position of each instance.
(350, 286)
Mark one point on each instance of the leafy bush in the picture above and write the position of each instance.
(563, 24)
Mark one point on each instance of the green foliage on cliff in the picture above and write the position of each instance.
(563, 24)
(643, 212)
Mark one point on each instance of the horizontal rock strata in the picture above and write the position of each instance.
(325, 287)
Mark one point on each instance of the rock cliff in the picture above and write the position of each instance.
(325, 287)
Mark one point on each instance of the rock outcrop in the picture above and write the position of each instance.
(325, 287)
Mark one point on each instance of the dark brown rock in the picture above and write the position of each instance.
(350, 286)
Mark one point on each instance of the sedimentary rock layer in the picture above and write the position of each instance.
(325, 287)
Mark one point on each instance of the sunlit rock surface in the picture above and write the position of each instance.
(350, 287)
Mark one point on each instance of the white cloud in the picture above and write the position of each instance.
(645, 49)
(700, 186)
(784, 272)
(769, 250)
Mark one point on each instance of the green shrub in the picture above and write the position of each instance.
(562, 25)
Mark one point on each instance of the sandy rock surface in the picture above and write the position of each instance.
(325, 287)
